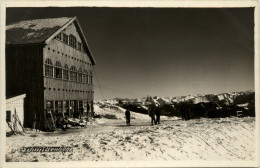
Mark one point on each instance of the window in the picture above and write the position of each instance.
(90, 78)
(66, 108)
(81, 111)
(58, 106)
(65, 38)
(73, 73)
(84, 49)
(85, 106)
(80, 75)
(49, 105)
(72, 106)
(72, 41)
(58, 70)
(85, 76)
(58, 36)
(80, 104)
(48, 68)
(66, 72)
(79, 45)
(8, 116)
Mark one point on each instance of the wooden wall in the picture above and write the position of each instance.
(59, 89)
(24, 76)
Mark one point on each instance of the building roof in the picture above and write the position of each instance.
(41, 31)
(15, 98)
(33, 31)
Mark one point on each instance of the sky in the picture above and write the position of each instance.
(163, 52)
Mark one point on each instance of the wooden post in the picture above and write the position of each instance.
(19, 121)
(53, 121)
(10, 127)
(15, 123)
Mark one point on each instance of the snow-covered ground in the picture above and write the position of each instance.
(119, 112)
(174, 139)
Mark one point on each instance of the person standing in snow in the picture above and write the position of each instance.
(151, 112)
(183, 112)
(127, 116)
(88, 109)
(158, 114)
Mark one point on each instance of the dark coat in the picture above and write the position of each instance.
(127, 114)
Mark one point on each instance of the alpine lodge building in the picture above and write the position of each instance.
(49, 60)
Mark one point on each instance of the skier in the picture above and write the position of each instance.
(127, 116)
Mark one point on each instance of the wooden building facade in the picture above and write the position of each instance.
(49, 60)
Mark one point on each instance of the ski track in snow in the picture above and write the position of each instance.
(174, 139)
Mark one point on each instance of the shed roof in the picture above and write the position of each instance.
(15, 98)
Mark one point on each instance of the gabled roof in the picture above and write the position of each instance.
(33, 31)
(41, 31)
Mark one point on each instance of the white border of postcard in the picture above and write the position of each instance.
(136, 3)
